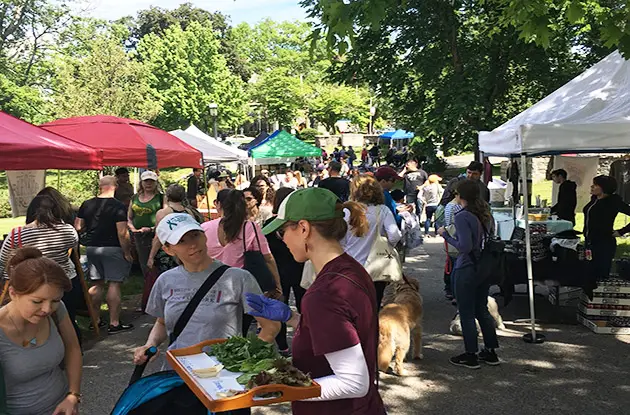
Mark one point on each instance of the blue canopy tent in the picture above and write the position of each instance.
(256, 141)
(396, 135)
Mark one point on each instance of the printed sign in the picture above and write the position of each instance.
(23, 187)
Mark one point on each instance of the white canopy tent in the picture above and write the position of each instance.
(218, 151)
(212, 151)
(590, 114)
(587, 114)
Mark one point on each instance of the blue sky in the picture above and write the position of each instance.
(250, 11)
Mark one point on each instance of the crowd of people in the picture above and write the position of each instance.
(256, 251)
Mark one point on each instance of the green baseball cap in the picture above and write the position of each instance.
(306, 204)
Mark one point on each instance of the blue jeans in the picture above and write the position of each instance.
(430, 210)
(472, 302)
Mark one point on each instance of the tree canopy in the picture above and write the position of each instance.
(538, 21)
(460, 71)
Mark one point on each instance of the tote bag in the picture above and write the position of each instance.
(383, 262)
(308, 275)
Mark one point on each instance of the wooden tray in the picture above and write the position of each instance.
(245, 400)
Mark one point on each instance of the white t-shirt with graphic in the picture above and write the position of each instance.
(220, 313)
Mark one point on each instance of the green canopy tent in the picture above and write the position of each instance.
(282, 147)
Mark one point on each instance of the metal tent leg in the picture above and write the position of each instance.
(533, 336)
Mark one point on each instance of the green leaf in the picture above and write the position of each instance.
(575, 11)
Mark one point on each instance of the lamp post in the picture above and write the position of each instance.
(214, 111)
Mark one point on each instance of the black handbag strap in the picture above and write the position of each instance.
(207, 285)
(255, 233)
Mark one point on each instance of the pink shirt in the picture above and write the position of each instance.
(232, 254)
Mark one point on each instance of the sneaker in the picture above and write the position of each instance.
(101, 324)
(489, 357)
(119, 328)
(466, 360)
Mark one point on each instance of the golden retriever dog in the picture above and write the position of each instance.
(456, 324)
(399, 321)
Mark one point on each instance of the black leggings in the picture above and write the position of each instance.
(298, 292)
(72, 299)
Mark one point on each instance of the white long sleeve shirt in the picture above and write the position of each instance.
(351, 378)
(359, 247)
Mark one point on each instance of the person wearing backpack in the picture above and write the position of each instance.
(471, 291)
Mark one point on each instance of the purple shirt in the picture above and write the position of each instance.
(468, 238)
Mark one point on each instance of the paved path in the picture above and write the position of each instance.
(574, 372)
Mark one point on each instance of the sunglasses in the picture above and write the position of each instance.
(249, 198)
(282, 230)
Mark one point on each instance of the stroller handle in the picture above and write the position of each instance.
(139, 370)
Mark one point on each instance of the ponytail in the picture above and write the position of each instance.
(358, 220)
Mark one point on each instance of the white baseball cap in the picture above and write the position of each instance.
(149, 175)
(172, 227)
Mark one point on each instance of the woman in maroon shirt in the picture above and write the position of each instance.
(336, 336)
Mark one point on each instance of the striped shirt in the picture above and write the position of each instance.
(53, 242)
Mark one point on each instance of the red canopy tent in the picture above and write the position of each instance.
(126, 142)
(27, 147)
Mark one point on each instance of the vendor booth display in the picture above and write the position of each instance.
(126, 142)
(590, 114)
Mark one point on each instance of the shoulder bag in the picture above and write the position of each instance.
(256, 265)
(13, 247)
(308, 275)
(207, 285)
(383, 262)
(490, 260)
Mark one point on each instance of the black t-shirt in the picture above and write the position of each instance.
(413, 179)
(193, 188)
(337, 185)
(100, 216)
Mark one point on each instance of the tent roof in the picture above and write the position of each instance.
(28, 147)
(396, 135)
(283, 144)
(591, 113)
(213, 150)
(125, 142)
(255, 142)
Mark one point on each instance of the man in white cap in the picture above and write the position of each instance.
(220, 313)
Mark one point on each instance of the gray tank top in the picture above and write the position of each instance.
(35, 384)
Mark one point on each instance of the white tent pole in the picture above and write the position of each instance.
(532, 337)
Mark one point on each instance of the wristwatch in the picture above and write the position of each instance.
(75, 394)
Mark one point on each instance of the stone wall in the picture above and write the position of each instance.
(354, 140)
(327, 141)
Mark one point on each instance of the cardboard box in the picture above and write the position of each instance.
(602, 312)
(601, 327)
(613, 286)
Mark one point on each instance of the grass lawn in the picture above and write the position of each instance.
(6, 224)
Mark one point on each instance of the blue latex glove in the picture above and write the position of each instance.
(268, 308)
